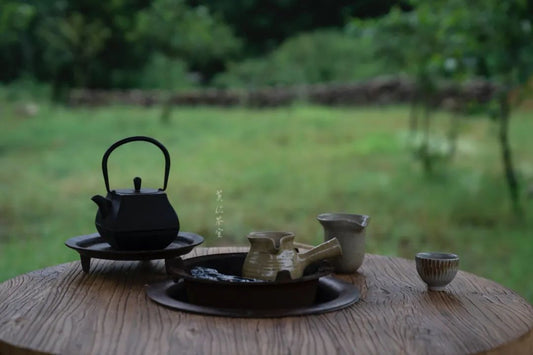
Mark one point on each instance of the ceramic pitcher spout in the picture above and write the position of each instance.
(356, 222)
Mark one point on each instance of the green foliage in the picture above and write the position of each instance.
(159, 73)
(190, 34)
(420, 42)
(496, 38)
(499, 39)
(92, 44)
(105, 44)
(265, 25)
(317, 57)
(14, 19)
(165, 73)
(73, 42)
(413, 43)
(447, 38)
(25, 89)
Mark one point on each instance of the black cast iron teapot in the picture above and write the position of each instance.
(136, 218)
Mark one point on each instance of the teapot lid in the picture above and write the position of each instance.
(137, 190)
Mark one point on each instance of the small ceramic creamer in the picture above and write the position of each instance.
(350, 230)
(273, 252)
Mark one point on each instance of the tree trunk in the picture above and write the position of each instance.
(427, 162)
(453, 134)
(166, 111)
(510, 175)
(413, 115)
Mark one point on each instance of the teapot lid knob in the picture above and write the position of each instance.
(137, 184)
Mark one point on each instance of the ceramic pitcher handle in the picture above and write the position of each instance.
(328, 249)
(132, 139)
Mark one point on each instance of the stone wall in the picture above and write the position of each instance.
(378, 91)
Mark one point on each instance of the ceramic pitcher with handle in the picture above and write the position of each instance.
(274, 252)
(350, 230)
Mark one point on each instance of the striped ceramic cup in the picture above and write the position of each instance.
(437, 269)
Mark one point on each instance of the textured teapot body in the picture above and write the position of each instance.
(274, 252)
(136, 222)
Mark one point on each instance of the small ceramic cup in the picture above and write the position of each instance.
(437, 269)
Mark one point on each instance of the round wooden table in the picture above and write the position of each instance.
(61, 309)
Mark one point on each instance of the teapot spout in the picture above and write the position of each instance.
(329, 249)
(103, 203)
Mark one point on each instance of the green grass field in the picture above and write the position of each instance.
(277, 169)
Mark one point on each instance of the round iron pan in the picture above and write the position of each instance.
(94, 246)
(331, 295)
(283, 293)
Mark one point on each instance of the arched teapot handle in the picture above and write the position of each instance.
(132, 139)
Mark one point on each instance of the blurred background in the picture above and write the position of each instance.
(416, 113)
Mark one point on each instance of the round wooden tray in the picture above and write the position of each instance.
(332, 295)
(94, 246)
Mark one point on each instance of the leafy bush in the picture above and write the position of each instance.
(194, 35)
(315, 57)
(161, 72)
(88, 44)
(24, 89)
(259, 20)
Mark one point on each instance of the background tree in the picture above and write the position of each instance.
(413, 43)
(320, 56)
(15, 45)
(191, 34)
(69, 43)
(487, 38)
(32, 34)
(72, 45)
(498, 39)
(195, 35)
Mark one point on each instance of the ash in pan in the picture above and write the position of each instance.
(213, 275)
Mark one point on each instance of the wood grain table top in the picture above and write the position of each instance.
(61, 309)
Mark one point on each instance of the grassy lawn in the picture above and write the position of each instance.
(277, 169)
